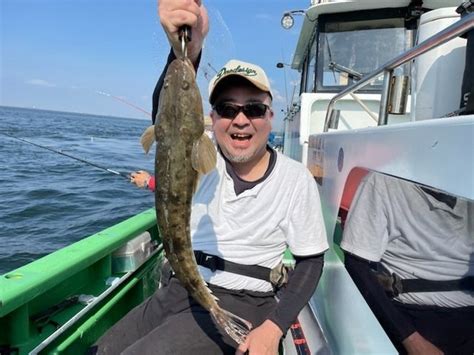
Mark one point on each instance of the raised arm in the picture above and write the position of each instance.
(173, 14)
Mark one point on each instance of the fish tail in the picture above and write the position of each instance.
(237, 327)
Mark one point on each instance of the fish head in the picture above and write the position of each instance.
(180, 106)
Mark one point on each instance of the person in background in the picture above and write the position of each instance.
(245, 213)
(410, 251)
(143, 179)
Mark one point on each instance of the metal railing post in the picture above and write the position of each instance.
(328, 115)
(383, 111)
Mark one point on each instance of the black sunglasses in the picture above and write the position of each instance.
(251, 110)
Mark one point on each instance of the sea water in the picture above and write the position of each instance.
(47, 200)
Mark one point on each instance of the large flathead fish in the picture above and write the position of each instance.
(183, 152)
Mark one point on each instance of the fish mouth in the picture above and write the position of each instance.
(241, 136)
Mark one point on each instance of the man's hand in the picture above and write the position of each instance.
(263, 340)
(415, 344)
(174, 14)
(140, 178)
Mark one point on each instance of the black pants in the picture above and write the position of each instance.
(450, 329)
(171, 322)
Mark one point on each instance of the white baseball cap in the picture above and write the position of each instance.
(253, 73)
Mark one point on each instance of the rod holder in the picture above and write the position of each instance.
(397, 102)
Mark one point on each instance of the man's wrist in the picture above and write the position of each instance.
(274, 324)
(276, 328)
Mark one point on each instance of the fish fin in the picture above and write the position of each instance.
(148, 138)
(204, 155)
(196, 182)
(210, 292)
(237, 327)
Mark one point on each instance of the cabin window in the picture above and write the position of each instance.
(352, 45)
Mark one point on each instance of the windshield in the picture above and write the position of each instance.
(348, 50)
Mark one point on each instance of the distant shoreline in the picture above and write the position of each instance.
(69, 112)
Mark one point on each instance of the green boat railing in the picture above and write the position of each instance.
(39, 299)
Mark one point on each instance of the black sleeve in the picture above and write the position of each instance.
(301, 286)
(159, 85)
(161, 80)
(397, 326)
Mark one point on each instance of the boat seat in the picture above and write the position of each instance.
(353, 180)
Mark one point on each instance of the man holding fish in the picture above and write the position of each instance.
(232, 209)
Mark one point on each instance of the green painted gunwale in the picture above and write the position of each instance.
(80, 268)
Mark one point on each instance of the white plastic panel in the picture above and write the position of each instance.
(438, 153)
(437, 73)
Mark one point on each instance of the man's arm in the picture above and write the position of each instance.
(173, 15)
(301, 286)
(159, 85)
(305, 233)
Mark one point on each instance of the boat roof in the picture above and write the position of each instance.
(341, 6)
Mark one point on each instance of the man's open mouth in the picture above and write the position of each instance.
(241, 136)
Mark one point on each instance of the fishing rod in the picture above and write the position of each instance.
(126, 176)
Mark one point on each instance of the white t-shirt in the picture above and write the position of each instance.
(413, 235)
(255, 227)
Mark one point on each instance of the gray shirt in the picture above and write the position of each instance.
(413, 235)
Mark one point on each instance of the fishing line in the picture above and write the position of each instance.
(126, 176)
(124, 101)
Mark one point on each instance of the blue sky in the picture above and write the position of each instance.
(58, 54)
